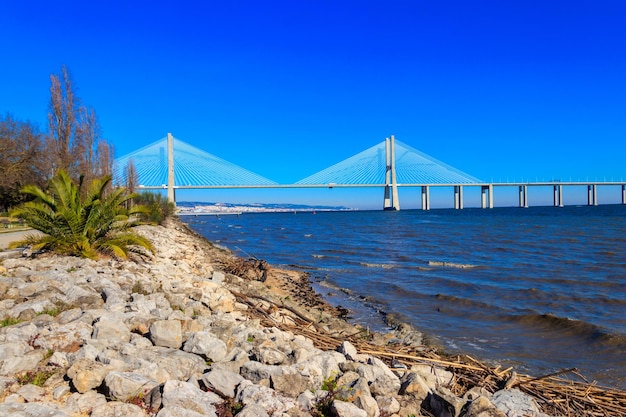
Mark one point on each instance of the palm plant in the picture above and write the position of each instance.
(80, 223)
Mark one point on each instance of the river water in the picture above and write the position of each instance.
(541, 289)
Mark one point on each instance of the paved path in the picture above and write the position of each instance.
(8, 237)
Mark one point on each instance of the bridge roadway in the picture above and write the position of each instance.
(487, 190)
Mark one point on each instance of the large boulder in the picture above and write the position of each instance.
(83, 404)
(86, 374)
(123, 386)
(345, 409)
(267, 398)
(206, 344)
(514, 403)
(166, 333)
(111, 328)
(20, 364)
(179, 394)
(482, 407)
(222, 381)
(413, 384)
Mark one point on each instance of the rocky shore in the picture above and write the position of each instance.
(194, 331)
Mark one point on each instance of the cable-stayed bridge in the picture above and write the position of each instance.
(171, 164)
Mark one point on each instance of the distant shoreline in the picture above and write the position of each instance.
(203, 209)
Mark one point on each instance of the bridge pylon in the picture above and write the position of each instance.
(171, 193)
(391, 200)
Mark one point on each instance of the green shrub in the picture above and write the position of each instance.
(322, 407)
(80, 222)
(58, 308)
(9, 321)
(38, 377)
(158, 209)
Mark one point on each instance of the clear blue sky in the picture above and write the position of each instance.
(499, 89)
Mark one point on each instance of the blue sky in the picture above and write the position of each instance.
(502, 90)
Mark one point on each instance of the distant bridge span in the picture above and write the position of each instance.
(172, 164)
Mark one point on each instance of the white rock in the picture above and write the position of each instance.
(112, 329)
(256, 371)
(271, 356)
(414, 384)
(345, 409)
(223, 381)
(13, 349)
(83, 404)
(86, 374)
(205, 343)
(88, 351)
(29, 410)
(218, 277)
(187, 396)
(31, 393)
(482, 407)
(167, 333)
(22, 332)
(267, 398)
(181, 412)
(118, 409)
(434, 376)
(253, 410)
(514, 402)
(26, 363)
(388, 405)
(125, 385)
(368, 404)
(170, 364)
(348, 350)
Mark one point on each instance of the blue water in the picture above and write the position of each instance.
(541, 289)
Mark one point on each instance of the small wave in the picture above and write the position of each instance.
(308, 235)
(327, 284)
(451, 265)
(302, 267)
(572, 327)
(318, 256)
(613, 340)
(384, 266)
(453, 300)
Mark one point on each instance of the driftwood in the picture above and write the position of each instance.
(251, 268)
(555, 394)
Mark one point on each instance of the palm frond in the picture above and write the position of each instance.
(99, 222)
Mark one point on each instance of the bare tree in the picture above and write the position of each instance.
(74, 141)
(131, 177)
(61, 122)
(104, 157)
(21, 154)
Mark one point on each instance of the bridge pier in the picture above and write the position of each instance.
(425, 197)
(484, 201)
(523, 196)
(458, 197)
(483, 197)
(592, 195)
(558, 196)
